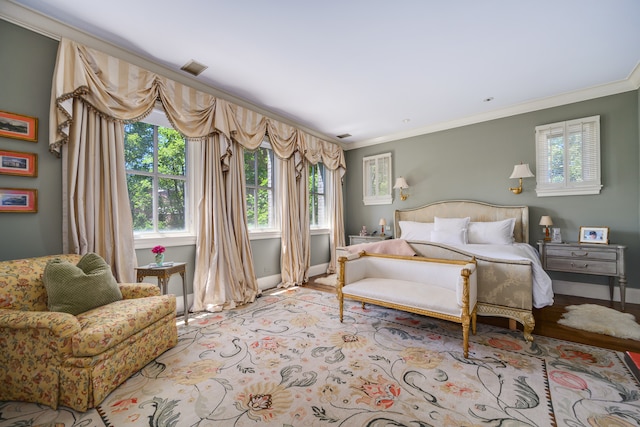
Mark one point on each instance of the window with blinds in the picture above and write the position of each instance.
(568, 158)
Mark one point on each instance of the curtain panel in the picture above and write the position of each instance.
(118, 91)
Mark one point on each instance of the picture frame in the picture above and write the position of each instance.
(599, 235)
(17, 126)
(18, 163)
(24, 200)
(376, 180)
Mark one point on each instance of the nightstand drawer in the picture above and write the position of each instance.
(583, 265)
(582, 253)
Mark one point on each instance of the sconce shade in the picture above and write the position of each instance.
(521, 171)
(401, 183)
(546, 221)
(382, 221)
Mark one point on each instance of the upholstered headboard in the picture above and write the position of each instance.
(478, 211)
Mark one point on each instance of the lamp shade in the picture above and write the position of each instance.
(382, 221)
(401, 183)
(546, 221)
(521, 171)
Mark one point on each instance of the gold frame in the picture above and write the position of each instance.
(11, 126)
(32, 165)
(30, 207)
(604, 235)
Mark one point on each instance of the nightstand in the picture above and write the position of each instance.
(599, 260)
(354, 240)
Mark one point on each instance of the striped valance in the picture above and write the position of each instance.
(125, 92)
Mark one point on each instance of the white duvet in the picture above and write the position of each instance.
(542, 287)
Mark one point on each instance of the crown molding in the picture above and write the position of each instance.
(56, 30)
(632, 82)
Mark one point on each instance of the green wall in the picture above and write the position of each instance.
(475, 161)
(26, 69)
(25, 88)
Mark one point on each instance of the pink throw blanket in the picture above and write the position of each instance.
(388, 247)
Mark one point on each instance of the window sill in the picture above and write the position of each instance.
(572, 191)
(266, 234)
(167, 240)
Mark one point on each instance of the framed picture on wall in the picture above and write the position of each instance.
(18, 126)
(376, 180)
(18, 200)
(17, 163)
(594, 235)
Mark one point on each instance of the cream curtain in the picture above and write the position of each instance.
(336, 219)
(118, 91)
(96, 212)
(295, 256)
(224, 275)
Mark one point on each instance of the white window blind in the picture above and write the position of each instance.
(568, 157)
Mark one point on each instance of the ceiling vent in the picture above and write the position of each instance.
(193, 67)
(344, 135)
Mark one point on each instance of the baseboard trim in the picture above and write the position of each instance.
(269, 282)
(590, 290)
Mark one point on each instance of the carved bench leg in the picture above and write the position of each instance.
(465, 338)
(474, 318)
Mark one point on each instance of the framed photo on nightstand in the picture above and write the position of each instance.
(594, 235)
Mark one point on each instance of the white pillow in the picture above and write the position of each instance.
(450, 237)
(412, 230)
(491, 233)
(451, 224)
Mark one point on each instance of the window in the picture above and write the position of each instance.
(376, 180)
(568, 157)
(156, 164)
(259, 169)
(317, 196)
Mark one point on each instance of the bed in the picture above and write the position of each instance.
(511, 280)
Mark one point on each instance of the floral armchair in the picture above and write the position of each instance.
(56, 358)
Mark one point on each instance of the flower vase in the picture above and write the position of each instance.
(159, 259)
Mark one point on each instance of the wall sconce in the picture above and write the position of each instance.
(546, 222)
(520, 171)
(401, 184)
(382, 223)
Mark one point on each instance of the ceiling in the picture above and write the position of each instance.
(379, 70)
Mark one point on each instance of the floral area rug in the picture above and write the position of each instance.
(286, 360)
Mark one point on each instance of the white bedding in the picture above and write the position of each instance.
(542, 286)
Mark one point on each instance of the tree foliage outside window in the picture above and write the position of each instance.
(317, 196)
(155, 159)
(568, 157)
(259, 185)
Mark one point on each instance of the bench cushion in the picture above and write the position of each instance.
(410, 294)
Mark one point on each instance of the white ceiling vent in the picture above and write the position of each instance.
(193, 67)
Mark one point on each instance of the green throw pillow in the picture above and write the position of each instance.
(78, 288)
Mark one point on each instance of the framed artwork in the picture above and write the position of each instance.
(376, 180)
(594, 235)
(18, 200)
(17, 163)
(18, 126)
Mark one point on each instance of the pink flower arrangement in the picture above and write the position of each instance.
(158, 249)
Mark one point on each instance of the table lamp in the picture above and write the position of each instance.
(382, 223)
(546, 222)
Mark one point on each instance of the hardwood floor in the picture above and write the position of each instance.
(547, 321)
